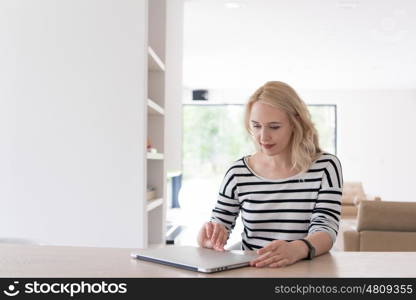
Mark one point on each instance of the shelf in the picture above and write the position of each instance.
(152, 204)
(154, 210)
(154, 108)
(157, 156)
(155, 63)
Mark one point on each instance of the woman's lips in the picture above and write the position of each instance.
(267, 146)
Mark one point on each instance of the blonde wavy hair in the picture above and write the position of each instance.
(304, 143)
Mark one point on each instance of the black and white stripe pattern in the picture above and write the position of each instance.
(286, 209)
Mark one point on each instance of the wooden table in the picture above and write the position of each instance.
(59, 261)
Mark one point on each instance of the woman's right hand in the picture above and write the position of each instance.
(213, 235)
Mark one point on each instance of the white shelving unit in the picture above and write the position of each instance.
(156, 178)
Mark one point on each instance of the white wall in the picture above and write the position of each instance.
(71, 138)
(375, 138)
(376, 143)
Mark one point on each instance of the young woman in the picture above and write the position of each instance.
(288, 192)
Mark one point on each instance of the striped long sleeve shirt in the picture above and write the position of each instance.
(283, 209)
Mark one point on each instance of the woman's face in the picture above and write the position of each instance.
(270, 128)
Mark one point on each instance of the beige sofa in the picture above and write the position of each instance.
(383, 226)
(352, 194)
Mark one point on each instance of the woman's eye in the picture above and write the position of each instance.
(256, 126)
(274, 127)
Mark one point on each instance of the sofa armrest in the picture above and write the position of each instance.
(372, 197)
(357, 200)
(351, 240)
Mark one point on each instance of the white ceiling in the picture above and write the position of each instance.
(311, 44)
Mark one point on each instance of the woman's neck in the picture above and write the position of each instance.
(279, 162)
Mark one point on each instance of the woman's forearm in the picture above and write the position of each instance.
(321, 241)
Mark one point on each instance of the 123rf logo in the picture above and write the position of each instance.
(70, 289)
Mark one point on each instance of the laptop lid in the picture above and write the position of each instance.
(196, 258)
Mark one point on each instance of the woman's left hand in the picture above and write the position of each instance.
(279, 254)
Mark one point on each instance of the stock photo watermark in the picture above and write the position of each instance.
(74, 288)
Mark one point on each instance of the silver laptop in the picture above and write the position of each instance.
(196, 258)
